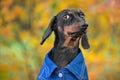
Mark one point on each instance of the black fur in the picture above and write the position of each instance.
(62, 55)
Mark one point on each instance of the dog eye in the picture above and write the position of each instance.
(66, 17)
(82, 17)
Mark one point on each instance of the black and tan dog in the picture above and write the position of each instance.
(69, 27)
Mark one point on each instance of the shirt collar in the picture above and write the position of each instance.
(50, 65)
(76, 66)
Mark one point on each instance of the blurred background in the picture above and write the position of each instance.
(23, 22)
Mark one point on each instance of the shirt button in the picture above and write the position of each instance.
(60, 75)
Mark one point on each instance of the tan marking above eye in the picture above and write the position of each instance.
(69, 12)
(59, 28)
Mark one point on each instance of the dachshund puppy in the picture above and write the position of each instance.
(65, 59)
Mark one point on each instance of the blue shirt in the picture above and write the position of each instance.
(75, 70)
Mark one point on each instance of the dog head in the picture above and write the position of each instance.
(69, 26)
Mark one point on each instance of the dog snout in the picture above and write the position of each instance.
(84, 25)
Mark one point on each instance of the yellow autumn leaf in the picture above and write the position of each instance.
(24, 35)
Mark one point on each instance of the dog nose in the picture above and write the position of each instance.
(85, 25)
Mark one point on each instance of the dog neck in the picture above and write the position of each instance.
(63, 55)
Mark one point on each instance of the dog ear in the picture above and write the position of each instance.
(84, 42)
(49, 30)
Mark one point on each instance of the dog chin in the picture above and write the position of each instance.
(72, 40)
(75, 34)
